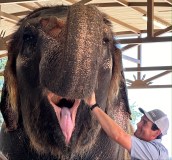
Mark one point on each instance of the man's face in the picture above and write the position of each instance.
(144, 131)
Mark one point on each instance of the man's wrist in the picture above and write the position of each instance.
(93, 106)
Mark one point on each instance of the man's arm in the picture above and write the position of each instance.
(112, 129)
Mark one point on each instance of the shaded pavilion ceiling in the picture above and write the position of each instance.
(130, 18)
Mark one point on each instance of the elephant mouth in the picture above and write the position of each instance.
(65, 110)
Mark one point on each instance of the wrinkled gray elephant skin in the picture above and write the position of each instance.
(56, 58)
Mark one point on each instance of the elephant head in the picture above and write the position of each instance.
(57, 57)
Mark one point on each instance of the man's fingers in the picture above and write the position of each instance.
(90, 100)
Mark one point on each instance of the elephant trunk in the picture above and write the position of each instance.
(72, 63)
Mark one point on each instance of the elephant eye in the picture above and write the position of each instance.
(28, 38)
(29, 41)
(105, 40)
(29, 35)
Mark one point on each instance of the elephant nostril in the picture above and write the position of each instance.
(105, 40)
(66, 103)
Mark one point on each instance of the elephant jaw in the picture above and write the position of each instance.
(65, 115)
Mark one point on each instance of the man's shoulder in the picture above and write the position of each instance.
(154, 147)
(157, 143)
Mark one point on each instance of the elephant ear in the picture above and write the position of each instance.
(9, 96)
(118, 95)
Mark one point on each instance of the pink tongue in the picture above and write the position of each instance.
(66, 123)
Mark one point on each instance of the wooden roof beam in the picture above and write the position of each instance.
(142, 4)
(145, 40)
(27, 6)
(82, 1)
(157, 76)
(157, 33)
(128, 47)
(139, 57)
(38, 4)
(141, 83)
(168, 1)
(22, 13)
(18, 1)
(155, 17)
(131, 4)
(135, 69)
(7, 38)
(131, 59)
(149, 13)
(162, 31)
(9, 17)
(123, 2)
(150, 18)
(71, 1)
(150, 86)
(130, 34)
(135, 30)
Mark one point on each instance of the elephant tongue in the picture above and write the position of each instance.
(66, 123)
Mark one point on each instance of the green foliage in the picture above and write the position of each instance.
(2, 66)
(3, 63)
(1, 83)
(135, 114)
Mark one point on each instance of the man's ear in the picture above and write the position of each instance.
(157, 132)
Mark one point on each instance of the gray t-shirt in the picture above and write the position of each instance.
(153, 150)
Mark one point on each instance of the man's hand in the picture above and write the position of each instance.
(91, 100)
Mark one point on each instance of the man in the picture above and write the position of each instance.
(146, 142)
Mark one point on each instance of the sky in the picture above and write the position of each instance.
(153, 54)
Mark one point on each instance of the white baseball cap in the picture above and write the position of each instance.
(157, 117)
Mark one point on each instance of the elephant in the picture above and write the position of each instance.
(57, 57)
